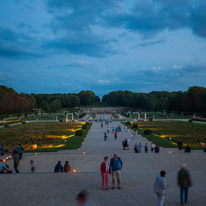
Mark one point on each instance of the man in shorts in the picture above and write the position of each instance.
(115, 168)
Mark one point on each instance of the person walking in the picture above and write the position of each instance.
(104, 168)
(115, 168)
(160, 187)
(115, 135)
(16, 161)
(184, 182)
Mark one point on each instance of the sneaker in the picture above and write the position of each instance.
(106, 189)
(119, 188)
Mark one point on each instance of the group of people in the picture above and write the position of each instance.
(180, 147)
(183, 181)
(60, 168)
(114, 168)
(154, 148)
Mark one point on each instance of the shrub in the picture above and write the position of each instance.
(78, 133)
(135, 126)
(128, 123)
(190, 120)
(147, 131)
(23, 122)
(87, 123)
(84, 126)
(150, 119)
(6, 125)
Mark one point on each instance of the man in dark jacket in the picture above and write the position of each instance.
(184, 182)
(58, 167)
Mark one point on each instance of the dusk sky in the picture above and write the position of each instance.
(65, 46)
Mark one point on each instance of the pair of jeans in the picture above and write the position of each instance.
(160, 199)
(183, 192)
(105, 180)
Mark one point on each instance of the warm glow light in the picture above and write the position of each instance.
(34, 146)
(35, 153)
(10, 157)
(74, 171)
(83, 153)
(4, 160)
(169, 152)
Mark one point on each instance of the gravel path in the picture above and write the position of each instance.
(138, 175)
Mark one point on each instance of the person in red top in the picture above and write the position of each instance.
(115, 135)
(104, 168)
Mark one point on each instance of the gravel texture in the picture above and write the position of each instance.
(139, 171)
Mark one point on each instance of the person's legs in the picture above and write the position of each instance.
(107, 180)
(113, 179)
(103, 180)
(186, 194)
(160, 199)
(16, 169)
(118, 178)
(181, 195)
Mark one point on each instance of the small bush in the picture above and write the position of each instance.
(128, 123)
(190, 120)
(84, 126)
(78, 133)
(23, 122)
(87, 123)
(150, 119)
(147, 132)
(135, 126)
(6, 125)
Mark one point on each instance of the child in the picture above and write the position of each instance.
(32, 166)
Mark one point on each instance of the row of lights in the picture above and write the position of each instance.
(7, 158)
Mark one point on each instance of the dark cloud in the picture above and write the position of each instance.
(13, 44)
(151, 17)
(84, 44)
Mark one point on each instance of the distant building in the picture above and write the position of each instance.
(101, 110)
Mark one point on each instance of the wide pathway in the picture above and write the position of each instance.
(138, 175)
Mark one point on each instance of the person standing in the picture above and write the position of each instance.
(2, 150)
(20, 151)
(146, 147)
(16, 161)
(184, 182)
(180, 145)
(104, 168)
(115, 168)
(115, 135)
(160, 187)
(33, 169)
(140, 147)
(105, 136)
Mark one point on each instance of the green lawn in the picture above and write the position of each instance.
(47, 136)
(168, 133)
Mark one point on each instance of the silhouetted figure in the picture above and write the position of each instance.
(187, 149)
(58, 167)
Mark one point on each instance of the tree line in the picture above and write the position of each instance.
(192, 100)
(12, 102)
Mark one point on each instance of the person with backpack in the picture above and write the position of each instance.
(115, 169)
